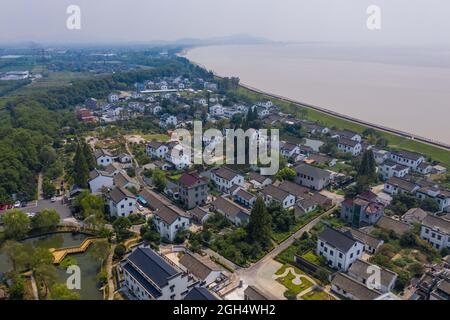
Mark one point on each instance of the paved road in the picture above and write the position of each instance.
(261, 273)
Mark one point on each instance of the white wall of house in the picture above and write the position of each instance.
(104, 160)
(224, 184)
(169, 231)
(407, 162)
(337, 259)
(96, 184)
(287, 202)
(437, 238)
(124, 208)
(354, 150)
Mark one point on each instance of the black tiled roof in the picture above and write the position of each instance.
(337, 239)
(153, 266)
(142, 281)
(200, 293)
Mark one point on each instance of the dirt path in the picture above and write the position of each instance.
(40, 193)
(109, 263)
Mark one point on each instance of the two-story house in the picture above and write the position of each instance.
(150, 276)
(193, 190)
(273, 194)
(436, 230)
(121, 202)
(156, 149)
(168, 222)
(339, 249)
(361, 211)
(312, 177)
(225, 178)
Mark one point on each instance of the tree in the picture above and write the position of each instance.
(121, 226)
(17, 253)
(119, 251)
(48, 188)
(47, 219)
(430, 205)
(47, 156)
(259, 226)
(81, 168)
(367, 167)
(159, 180)
(408, 240)
(88, 155)
(17, 289)
(16, 224)
(286, 174)
(60, 291)
(100, 250)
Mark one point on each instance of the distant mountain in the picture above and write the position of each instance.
(233, 39)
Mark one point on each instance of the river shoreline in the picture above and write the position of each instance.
(184, 53)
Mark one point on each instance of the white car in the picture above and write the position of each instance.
(53, 199)
(31, 214)
(17, 204)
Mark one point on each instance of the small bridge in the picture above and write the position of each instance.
(60, 254)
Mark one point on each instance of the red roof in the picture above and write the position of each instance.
(190, 179)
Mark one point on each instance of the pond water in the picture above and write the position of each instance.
(89, 267)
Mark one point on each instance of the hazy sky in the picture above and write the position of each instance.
(403, 21)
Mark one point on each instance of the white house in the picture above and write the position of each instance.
(216, 110)
(168, 222)
(167, 120)
(99, 179)
(156, 149)
(203, 268)
(389, 169)
(113, 97)
(339, 249)
(424, 168)
(225, 178)
(397, 185)
(362, 271)
(124, 158)
(121, 202)
(440, 196)
(436, 230)
(177, 156)
(103, 157)
(349, 146)
(409, 159)
(289, 150)
(272, 194)
(150, 276)
(258, 181)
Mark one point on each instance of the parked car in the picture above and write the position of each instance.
(17, 204)
(53, 199)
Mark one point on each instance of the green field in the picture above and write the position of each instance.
(53, 80)
(395, 141)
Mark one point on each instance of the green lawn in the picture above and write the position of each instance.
(156, 137)
(317, 295)
(303, 220)
(287, 280)
(312, 257)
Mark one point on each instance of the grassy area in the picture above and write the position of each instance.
(53, 80)
(289, 280)
(317, 295)
(301, 221)
(156, 137)
(395, 142)
(312, 257)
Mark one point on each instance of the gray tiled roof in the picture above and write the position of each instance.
(341, 241)
(153, 266)
(434, 222)
(361, 269)
(358, 290)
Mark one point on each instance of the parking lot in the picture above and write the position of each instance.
(39, 205)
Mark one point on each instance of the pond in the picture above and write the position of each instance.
(89, 267)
